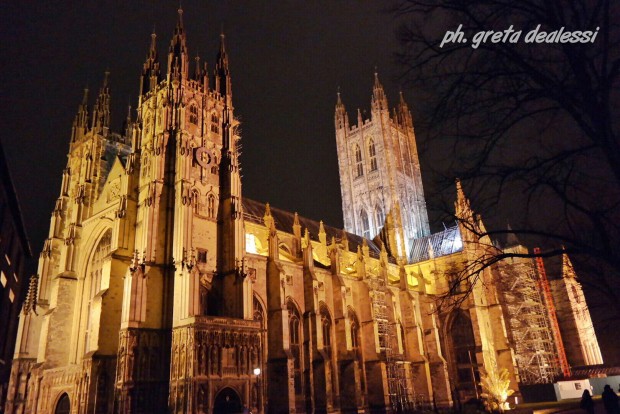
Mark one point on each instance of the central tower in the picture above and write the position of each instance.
(380, 178)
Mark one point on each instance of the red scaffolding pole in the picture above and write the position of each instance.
(555, 327)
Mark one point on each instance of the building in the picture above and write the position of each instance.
(163, 289)
(14, 251)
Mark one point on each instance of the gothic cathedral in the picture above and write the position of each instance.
(160, 288)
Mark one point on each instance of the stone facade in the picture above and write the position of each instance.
(163, 289)
(574, 318)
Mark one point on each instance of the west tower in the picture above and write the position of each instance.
(143, 303)
(380, 177)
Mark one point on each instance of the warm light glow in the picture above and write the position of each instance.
(257, 371)
(250, 243)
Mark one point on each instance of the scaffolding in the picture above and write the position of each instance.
(400, 398)
(555, 327)
(529, 324)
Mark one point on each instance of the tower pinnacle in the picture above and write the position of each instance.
(150, 69)
(379, 100)
(101, 112)
(178, 59)
(341, 116)
(222, 73)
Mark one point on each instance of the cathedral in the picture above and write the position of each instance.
(160, 288)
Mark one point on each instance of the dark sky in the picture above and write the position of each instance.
(287, 60)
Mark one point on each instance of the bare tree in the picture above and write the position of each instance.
(530, 128)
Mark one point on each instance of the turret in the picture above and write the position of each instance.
(178, 58)
(151, 74)
(101, 111)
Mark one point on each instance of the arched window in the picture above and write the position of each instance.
(380, 217)
(196, 201)
(94, 276)
(63, 406)
(259, 313)
(148, 120)
(356, 345)
(215, 120)
(326, 330)
(295, 344)
(146, 165)
(193, 114)
(211, 206)
(365, 225)
(403, 339)
(359, 167)
(372, 152)
(326, 325)
(464, 352)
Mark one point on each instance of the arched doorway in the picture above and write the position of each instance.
(63, 406)
(465, 371)
(227, 401)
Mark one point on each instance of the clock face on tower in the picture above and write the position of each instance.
(203, 157)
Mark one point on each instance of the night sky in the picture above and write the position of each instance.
(287, 59)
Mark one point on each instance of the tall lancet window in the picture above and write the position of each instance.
(359, 167)
(372, 152)
(93, 281)
(380, 217)
(365, 225)
(295, 345)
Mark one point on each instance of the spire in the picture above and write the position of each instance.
(568, 271)
(511, 238)
(322, 234)
(341, 117)
(379, 100)
(151, 74)
(178, 59)
(296, 226)
(127, 123)
(198, 70)
(339, 104)
(80, 123)
(462, 206)
(403, 111)
(222, 72)
(101, 111)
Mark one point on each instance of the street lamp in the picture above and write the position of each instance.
(257, 372)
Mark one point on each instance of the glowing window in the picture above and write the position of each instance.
(250, 243)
